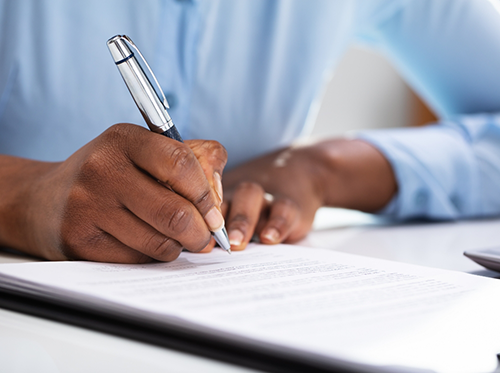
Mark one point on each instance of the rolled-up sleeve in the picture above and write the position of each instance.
(449, 170)
(449, 51)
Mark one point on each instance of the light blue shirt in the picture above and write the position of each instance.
(247, 73)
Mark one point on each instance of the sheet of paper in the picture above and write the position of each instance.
(362, 309)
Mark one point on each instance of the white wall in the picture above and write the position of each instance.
(364, 92)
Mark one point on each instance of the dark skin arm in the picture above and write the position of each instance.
(105, 203)
(338, 173)
(128, 196)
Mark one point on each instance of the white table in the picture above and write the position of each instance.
(30, 344)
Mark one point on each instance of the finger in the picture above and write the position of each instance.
(209, 247)
(140, 236)
(283, 218)
(165, 211)
(103, 247)
(244, 213)
(174, 164)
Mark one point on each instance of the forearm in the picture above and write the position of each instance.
(352, 174)
(18, 177)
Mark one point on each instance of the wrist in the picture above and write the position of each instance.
(18, 182)
(317, 168)
(353, 174)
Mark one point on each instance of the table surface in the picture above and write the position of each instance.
(29, 344)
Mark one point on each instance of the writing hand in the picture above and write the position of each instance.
(128, 196)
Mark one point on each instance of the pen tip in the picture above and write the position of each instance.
(222, 239)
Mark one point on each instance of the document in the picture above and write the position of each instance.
(316, 301)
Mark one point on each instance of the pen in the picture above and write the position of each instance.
(152, 108)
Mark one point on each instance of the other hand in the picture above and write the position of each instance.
(338, 173)
(273, 197)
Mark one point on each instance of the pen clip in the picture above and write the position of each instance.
(164, 101)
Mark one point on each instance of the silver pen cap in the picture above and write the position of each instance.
(152, 107)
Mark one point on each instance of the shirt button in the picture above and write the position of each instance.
(421, 198)
(171, 99)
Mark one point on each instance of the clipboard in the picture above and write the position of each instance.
(208, 346)
(98, 296)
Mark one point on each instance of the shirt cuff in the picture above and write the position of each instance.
(435, 169)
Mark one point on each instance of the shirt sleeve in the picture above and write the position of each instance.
(449, 51)
(446, 171)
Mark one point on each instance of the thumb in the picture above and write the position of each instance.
(212, 157)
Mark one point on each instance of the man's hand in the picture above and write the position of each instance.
(128, 196)
(275, 197)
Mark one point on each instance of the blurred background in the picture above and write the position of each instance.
(367, 92)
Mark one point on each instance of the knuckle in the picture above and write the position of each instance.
(73, 244)
(92, 166)
(204, 200)
(182, 158)
(222, 151)
(285, 214)
(217, 150)
(76, 200)
(101, 164)
(117, 139)
(175, 217)
(250, 187)
(278, 221)
(118, 132)
(288, 204)
(240, 221)
(162, 248)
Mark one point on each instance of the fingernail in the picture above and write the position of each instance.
(214, 219)
(235, 237)
(218, 185)
(272, 235)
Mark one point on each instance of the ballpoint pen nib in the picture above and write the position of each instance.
(222, 239)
